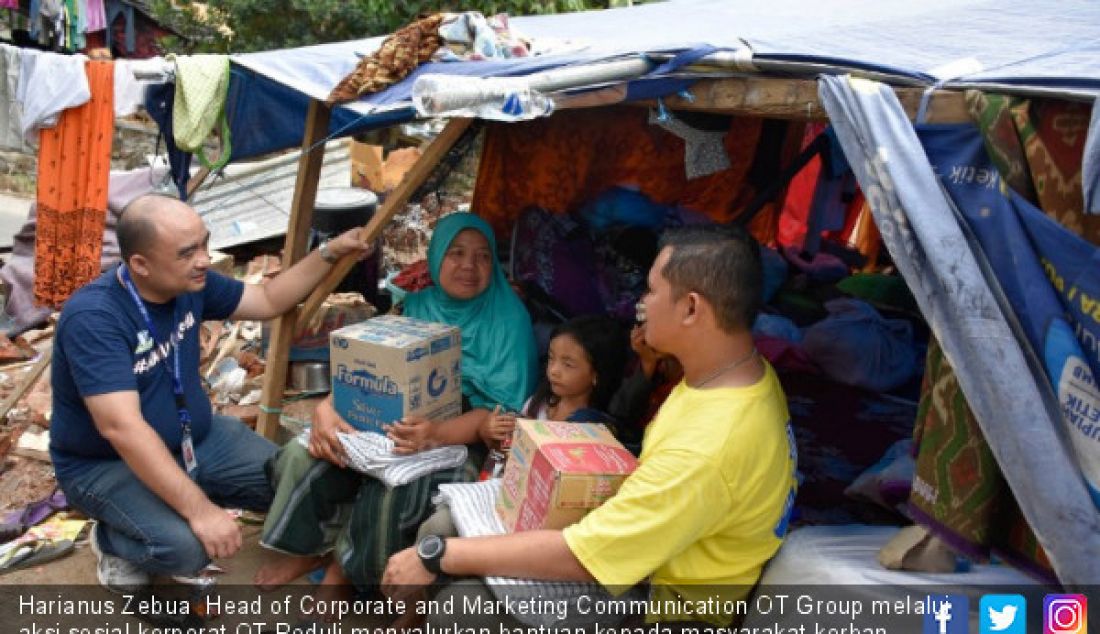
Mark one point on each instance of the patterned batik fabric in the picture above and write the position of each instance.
(1037, 146)
(560, 163)
(959, 492)
(74, 163)
(399, 55)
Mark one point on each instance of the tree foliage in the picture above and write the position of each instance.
(240, 26)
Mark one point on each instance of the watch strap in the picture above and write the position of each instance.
(326, 254)
(434, 564)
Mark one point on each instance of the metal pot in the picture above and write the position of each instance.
(309, 376)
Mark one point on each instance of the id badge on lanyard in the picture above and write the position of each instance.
(187, 445)
(188, 448)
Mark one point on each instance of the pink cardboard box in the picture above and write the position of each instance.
(558, 472)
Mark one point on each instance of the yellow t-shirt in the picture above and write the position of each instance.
(707, 506)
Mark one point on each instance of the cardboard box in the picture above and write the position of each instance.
(366, 166)
(390, 366)
(558, 472)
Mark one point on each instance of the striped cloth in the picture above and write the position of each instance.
(372, 454)
(473, 508)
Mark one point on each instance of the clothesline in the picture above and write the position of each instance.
(39, 85)
(64, 25)
(67, 106)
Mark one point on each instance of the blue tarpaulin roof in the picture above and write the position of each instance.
(1027, 44)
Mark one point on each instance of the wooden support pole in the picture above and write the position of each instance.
(196, 181)
(294, 249)
(782, 98)
(395, 202)
(26, 382)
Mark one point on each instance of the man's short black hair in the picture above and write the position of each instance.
(721, 263)
(137, 230)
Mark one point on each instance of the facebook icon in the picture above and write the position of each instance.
(946, 614)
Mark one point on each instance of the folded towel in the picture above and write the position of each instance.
(372, 454)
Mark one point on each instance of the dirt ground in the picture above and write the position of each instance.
(78, 568)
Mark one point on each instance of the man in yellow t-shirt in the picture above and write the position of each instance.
(709, 502)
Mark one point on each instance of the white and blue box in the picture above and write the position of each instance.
(389, 367)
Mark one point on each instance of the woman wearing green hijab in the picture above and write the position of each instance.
(499, 360)
(320, 504)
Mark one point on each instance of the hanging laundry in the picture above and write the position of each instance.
(74, 26)
(399, 55)
(48, 84)
(129, 89)
(11, 111)
(35, 24)
(96, 17)
(47, 21)
(202, 83)
(158, 103)
(704, 150)
(18, 272)
(74, 162)
(833, 196)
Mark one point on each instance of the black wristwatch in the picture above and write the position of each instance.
(430, 549)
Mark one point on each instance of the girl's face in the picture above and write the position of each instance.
(568, 369)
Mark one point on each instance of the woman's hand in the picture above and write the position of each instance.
(412, 434)
(323, 443)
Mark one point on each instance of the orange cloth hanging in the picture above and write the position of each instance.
(561, 162)
(74, 163)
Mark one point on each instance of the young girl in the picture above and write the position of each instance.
(584, 367)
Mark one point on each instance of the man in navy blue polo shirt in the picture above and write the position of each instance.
(133, 439)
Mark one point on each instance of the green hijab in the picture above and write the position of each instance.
(499, 360)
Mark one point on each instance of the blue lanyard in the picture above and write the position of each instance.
(173, 351)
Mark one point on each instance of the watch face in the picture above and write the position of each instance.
(430, 547)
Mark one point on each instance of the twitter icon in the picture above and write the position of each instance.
(1003, 614)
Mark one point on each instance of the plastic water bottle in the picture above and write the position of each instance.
(496, 98)
(495, 461)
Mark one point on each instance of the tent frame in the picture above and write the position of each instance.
(781, 98)
(757, 96)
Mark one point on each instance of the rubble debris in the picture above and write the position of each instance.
(251, 363)
(25, 382)
(405, 240)
(209, 336)
(25, 481)
(33, 443)
(15, 350)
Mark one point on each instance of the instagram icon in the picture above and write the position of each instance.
(1065, 614)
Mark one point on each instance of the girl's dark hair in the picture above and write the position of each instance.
(605, 344)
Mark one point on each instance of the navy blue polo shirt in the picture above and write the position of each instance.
(103, 345)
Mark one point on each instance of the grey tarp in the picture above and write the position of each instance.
(1013, 405)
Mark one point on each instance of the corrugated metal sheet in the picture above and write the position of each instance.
(252, 202)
